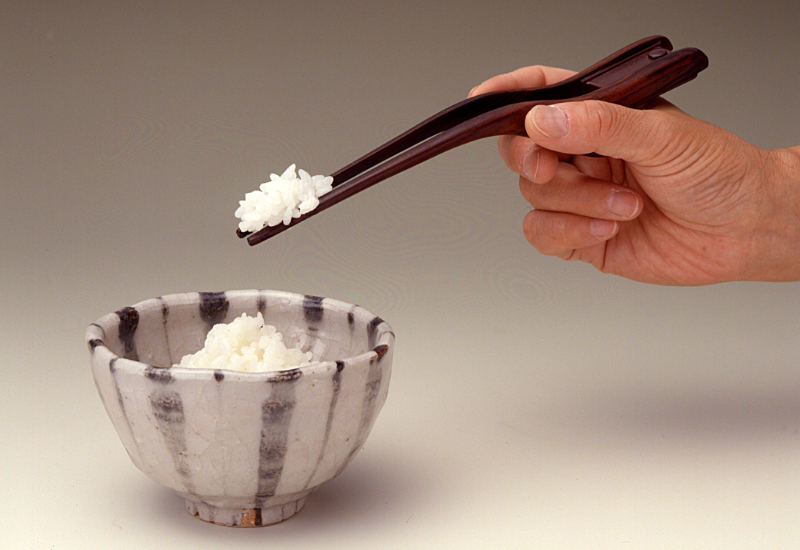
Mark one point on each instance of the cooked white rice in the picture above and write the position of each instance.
(246, 344)
(282, 198)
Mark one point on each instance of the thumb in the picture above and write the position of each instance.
(583, 127)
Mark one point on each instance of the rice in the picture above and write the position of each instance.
(281, 199)
(246, 344)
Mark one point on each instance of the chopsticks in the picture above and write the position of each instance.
(630, 77)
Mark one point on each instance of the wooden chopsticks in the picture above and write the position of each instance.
(630, 77)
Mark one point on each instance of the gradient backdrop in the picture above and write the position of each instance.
(534, 403)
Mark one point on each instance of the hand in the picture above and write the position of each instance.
(672, 199)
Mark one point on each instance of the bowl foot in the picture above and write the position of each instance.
(248, 517)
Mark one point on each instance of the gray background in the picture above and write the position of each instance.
(534, 403)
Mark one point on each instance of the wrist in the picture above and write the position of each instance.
(779, 254)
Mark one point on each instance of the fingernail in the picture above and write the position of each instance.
(530, 165)
(472, 90)
(550, 120)
(602, 229)
(623, 203)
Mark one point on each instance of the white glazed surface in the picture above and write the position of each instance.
(242, 448)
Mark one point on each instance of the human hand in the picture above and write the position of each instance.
(672, 200)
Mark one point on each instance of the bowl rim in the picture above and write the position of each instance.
(95, 335)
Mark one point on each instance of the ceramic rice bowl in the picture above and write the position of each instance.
(243, 449)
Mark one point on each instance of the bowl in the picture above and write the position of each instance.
(243, 449)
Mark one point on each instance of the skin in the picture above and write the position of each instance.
(672, 200)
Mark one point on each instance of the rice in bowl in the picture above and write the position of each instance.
(246, 344)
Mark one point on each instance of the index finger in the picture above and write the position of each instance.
(526, 77)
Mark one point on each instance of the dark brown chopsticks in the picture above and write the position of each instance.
(630, 77)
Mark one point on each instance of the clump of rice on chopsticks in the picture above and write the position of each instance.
(281, 199)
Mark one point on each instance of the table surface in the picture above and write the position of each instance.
(534, 403)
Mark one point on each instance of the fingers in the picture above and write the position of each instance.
(527, 77)
(575, 211)
(527, 159)
(585, 199)
(583, 127)
(562, 235)
(538, 165)
(576, 193)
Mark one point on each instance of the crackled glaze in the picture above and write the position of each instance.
(243, 449)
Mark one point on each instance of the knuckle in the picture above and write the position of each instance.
(513, 149)
(558, 234)
(524, 75)
(545, 232)
(603, 120)
(537, 195)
